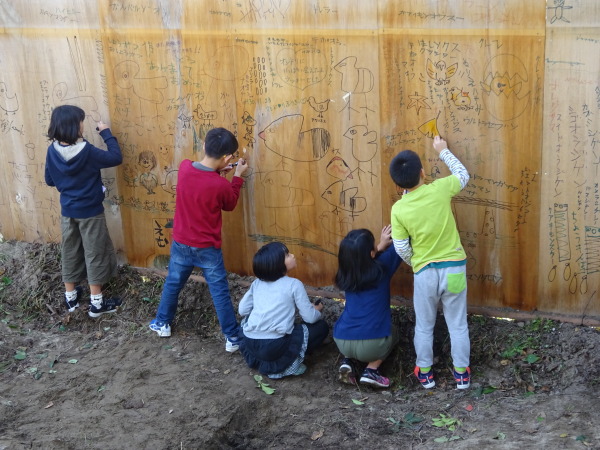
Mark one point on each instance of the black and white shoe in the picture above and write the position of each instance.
(74, 304)
(108, 306)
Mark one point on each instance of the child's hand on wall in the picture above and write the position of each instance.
(385, 240)
(101, 126)
(242, 166)
(439, 144)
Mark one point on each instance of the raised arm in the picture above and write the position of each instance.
(456, 167)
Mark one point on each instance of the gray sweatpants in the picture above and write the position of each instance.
(448, 284)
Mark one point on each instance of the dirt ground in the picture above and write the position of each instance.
(71, 382)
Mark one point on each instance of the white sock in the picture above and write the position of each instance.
(96, 300)
(71, 295)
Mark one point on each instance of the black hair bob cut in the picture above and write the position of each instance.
(268, 263)
(65, 124)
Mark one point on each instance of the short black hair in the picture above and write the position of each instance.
(268, 263)
(65, 124)
(405, 169)
(220, 142)
(357, 270)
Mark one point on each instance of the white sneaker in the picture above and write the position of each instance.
(161, 328)
(232, 345)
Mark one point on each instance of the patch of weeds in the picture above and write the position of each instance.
(540, 325)
(518, 346)
(446, 421)
(410, 420)
(4, 282)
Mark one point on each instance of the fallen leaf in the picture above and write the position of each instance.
(357, 402)
(469, 408)
(170, 411)
(564, 435)
(72, 361)
(226, 371)
(49, 405)
(317, 435)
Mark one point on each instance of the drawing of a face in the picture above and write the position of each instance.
(147, 160)
(338, 168)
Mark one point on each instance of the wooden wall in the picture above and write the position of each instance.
(322, 94)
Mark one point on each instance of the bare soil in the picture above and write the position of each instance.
(71, 382)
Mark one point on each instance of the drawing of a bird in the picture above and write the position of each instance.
(7, 103)
(279, 193)
(439, 72)
(319, 107)
(364, 146)
(344, 199)
(61, 96)
(460, 98)
(285, 137)
(356, 80)
(364, 142)
(284, 200)
(149, 89)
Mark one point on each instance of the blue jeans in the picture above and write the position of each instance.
(210, 260)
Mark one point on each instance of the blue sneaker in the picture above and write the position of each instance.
(232, 344)
(162, 329)
(74, 304)
(374, 378)
(463, 380)
(426, 379)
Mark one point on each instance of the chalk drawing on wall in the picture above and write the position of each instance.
(592, 245)
(253, 10)
(344, 199)
(460, 98)
(282, 197)
(440, 72)
(77, 62)
(505, 90)
(356, 83)
(364, 148)
(558, 11)
(285, 137)
(430, 128)
(418, 102)
(319, 107)
(334, 227)
(338, 168)
(301, 68)
(170, 183)
(224, 66)
(249, 124)
(127, 76)
(206, 118)
(62, 96)
(8, 103)
(561, 227)
(147, 162)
